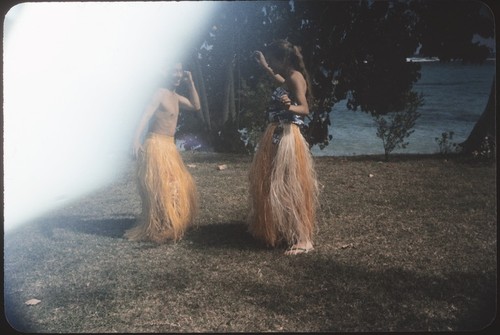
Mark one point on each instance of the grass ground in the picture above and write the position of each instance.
(405, 245)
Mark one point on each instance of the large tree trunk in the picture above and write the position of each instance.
(485, 127)
(232, 102)
(228, 107)
(200, 84)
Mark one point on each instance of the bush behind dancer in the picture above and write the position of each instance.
(283, 184)
(168, 192)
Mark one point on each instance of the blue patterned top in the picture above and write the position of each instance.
(276, 112)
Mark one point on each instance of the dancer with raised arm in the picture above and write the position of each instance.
(283, 185)
(168, 191)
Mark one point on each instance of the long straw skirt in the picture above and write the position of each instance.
(283, 188)
(168, 192)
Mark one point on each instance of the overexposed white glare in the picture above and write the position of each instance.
(77, 77)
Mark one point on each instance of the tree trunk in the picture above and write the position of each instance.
(228, 105)
(200, 84)
(484, 127)
(232, 102)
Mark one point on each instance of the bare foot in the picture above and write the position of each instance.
(300, 248)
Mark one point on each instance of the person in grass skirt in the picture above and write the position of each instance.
(283, 184)
(167, 189)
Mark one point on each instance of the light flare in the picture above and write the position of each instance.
(77, 77)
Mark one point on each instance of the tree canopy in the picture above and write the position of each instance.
(355, 51)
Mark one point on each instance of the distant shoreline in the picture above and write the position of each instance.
(436, 59)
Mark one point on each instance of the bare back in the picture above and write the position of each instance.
(165, 117)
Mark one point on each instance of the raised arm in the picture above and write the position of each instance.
(259, 57)
(193, 102)
(146, 116)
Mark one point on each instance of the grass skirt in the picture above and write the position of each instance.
(168, 192)
(283, 188)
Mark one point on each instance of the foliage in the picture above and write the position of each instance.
(253, 105)
(394, 128)
(486, 151)
(231, 76)
(355, 51)
(191, 131)
(445, 144)
(449, 35)
(229, 139)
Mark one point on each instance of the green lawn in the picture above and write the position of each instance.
(404, 245)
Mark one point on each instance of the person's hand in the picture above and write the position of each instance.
(285, 100)
(137, 149)
(188, 77)
(259, 58)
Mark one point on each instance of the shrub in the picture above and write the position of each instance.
(445, 144)
(394, 127)
(486, 150)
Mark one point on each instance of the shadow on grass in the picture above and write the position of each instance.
(315, 290)
(230, 235)
(341, 295)
(114, 228)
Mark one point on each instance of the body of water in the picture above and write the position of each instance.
(455, 96)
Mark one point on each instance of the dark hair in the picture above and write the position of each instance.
(290, 55)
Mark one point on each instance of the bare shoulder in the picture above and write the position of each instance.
(160, 92)
(167, 97)
(297, 77)
(297, 81)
